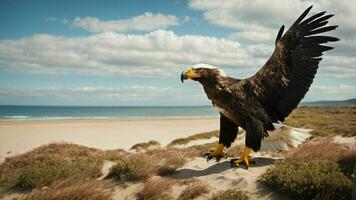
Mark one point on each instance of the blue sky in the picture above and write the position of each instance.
(132, 52)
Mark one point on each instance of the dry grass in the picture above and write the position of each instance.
(199, 136)
(156, 188)
(49, 163)
(322, 149)
(325, 120)
(194, 190)
(327, 150)
(200, 150)
(170, 160)
(231, 194)
(133, 168)
(114, 155)
(319, 169)
(145, 145)
(308, 180)
(74, 190)
(140, 166)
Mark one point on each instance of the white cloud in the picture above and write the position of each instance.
(159, 53)
(89, 95)
(266, 36)
(339, 66)
(146, 22)
(331, 92)
(258, 21)
(258, 16)
(128, 93)
(163, 53)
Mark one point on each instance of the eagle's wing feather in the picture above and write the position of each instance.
(228, 131)
(286, 77)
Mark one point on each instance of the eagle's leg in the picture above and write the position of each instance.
(218, 153)
(245, 159)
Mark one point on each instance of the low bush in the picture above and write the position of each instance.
(194, 190)
(308, 180)
(140, 166)
(133, 168)
(145, 145)
(327, 150)
(231, 194)
(199, 136)
(170, 160)
(116, 154)
(43, 174)
(74, 190)
(49, 163)
(155, 188)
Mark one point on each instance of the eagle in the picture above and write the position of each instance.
(260, 103)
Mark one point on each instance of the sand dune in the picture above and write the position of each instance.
(20, 136)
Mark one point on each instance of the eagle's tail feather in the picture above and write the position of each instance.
(284, 137)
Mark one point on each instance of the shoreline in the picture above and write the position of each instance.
(99, 119)
(18, 137)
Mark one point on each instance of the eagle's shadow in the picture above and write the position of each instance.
(218, 168)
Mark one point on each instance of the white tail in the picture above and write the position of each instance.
(284, 138)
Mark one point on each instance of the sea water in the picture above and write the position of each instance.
(84, 112)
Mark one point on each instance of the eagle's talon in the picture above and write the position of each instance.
(218, 153)
(217, 158)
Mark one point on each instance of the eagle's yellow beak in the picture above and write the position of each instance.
(188, 74)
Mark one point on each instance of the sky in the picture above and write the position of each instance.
(131, 53)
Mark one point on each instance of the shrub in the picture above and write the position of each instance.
(169, 160)
(74, 190)
(201, 150)
(133, 168)
(155, 188)
(46, 164)
(145, 145)
(327, 150)
(114, 155)
(199, 136)
(194, 190)
(307, 180)
(231, 194)
(43, 174)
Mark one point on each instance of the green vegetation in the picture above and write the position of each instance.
(199, 136)
(145, 145)
(231, 194)
(327, 150)
(73, 190)
(49, 163)
(319, 169)
(133, 168)
(114, 155)
(325, 120)
(140, 166)
(308, 180)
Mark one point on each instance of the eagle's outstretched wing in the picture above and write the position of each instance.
(286, 77)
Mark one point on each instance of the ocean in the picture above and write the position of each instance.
(84, 112)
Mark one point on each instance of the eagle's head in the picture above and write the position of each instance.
(201, 72)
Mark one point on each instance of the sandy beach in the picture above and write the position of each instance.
(17, 137)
